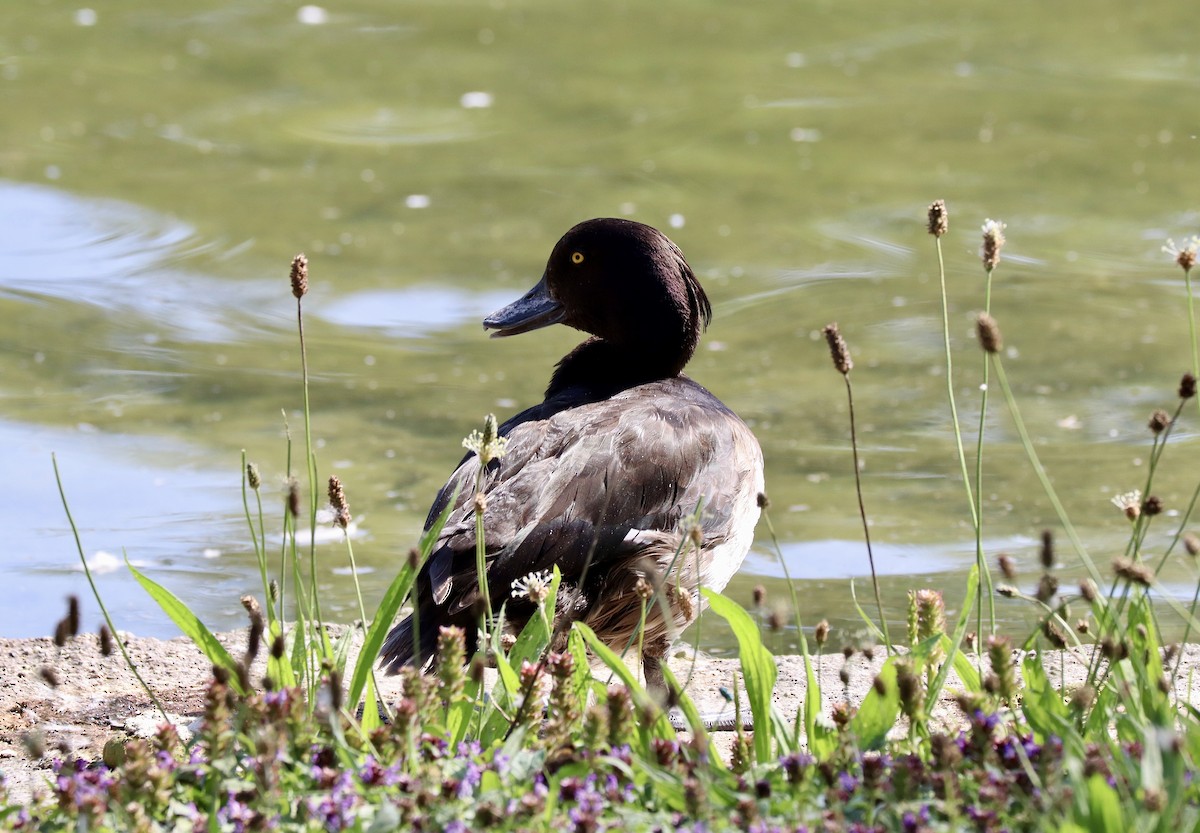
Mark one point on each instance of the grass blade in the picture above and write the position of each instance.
(190, 624)
(393, 598)
(758, 667)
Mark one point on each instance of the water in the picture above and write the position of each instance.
(427, 157)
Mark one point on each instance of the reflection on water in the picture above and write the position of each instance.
(427, 156)
(823, 560)
(118, 257)
(415, 311)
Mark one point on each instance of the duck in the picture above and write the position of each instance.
(627, 475)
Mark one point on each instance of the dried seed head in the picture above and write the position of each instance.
(643, 588)
(1159, 420)
(1047, 551)
(72, 615)
(939, 219)
(777, 620)
(1187, 386)
(1087, 589)
(993, 242)
(759, 595)
(1191, 544)
(106, 641)
(337, 499)
(1134, 572)
(335, 690)
(1083, 626)
(414, 558)
(61, 633)
(763, 500)
(1152, 506)
(908, 686)
(293, 497)
(1081, 699)
(49, 675)
(278, 646)
(838, 349)
(243, 675)
(879, 685)
(253, 477)
(272, 591)
(1054, 634)
(1047, 588)
(1007, 591)
(821, 634)
(847, 651)
(257, 626)
(989, 333)
(299, 276)
(1184, 255)
(1007, 566)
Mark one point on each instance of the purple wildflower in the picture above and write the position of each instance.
(471, 777)
(82, 788)
(373, 774)
(238, 814)
(847, 783)
(336, 809)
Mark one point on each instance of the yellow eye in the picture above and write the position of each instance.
(577, 257)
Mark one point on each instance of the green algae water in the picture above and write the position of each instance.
(161, 164)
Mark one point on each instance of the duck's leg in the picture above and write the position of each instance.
(653, 658)
(652, 662)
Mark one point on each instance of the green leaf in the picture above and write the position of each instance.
(967, 672)
(370, 719)
(1042, 704)
(692, 715)
(1104, 807)
(279, 670)
(392, 600)
(758, 667)
(862, 614)
(191, 626)
(615, 664)
(812, 709)
(878, 712)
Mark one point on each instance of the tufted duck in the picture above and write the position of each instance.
(600, 477)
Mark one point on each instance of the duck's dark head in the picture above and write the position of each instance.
(624, 283)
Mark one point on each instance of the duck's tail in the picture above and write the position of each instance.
(398, 648)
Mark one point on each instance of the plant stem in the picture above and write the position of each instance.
(311, 464)
(87, 571)
(962, 457)
(985, 584)
(862, 512)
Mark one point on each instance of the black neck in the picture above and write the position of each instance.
(606, 368)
